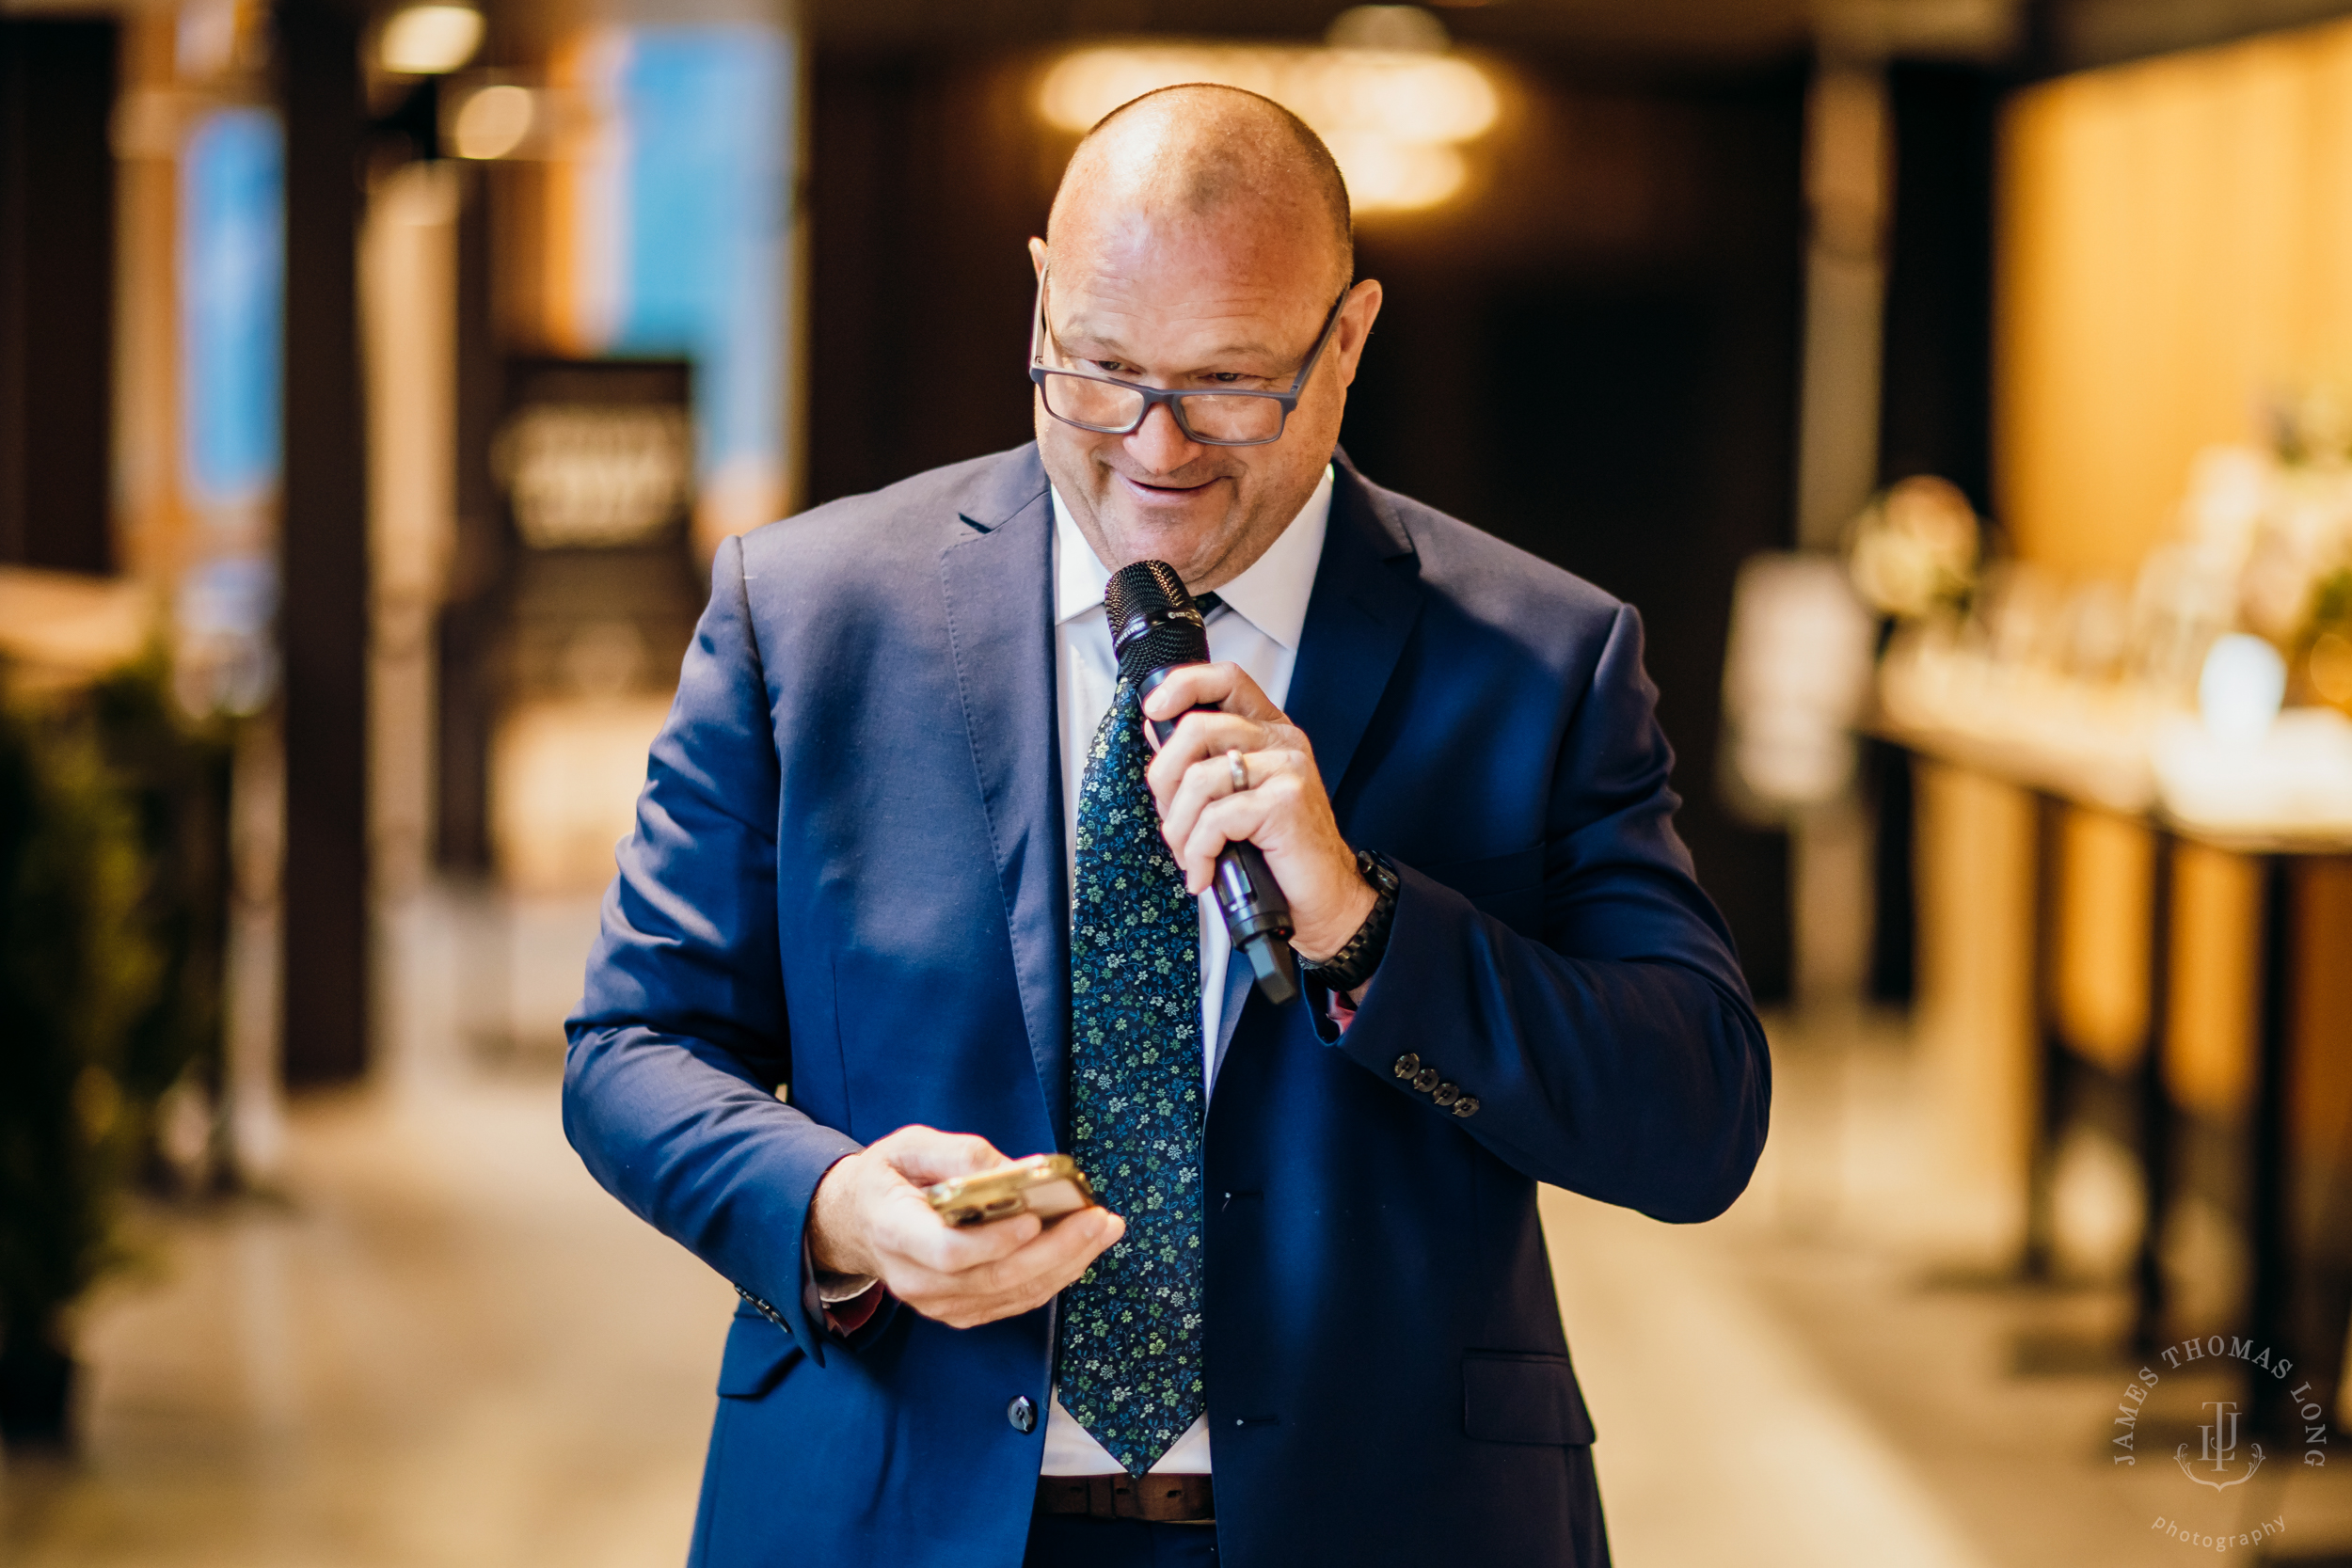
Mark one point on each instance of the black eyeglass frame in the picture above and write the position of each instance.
(1173, 397)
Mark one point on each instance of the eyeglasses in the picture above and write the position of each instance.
(1110, 407)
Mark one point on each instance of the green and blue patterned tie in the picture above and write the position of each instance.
(1129, 1342)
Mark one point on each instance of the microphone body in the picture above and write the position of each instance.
(1155, 627)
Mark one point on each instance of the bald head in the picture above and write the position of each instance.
(1201, 156)
(1199, 242)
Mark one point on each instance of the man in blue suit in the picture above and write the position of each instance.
(908, 895)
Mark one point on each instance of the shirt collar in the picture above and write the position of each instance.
(1271, 595)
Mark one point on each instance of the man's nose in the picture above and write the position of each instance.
(1159, 444)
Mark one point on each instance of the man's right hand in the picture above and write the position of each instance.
(869, 1217)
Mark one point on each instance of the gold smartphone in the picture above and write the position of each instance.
(1048, 1185)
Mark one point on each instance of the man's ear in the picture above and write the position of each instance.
(1356, 319)
(1037, 255)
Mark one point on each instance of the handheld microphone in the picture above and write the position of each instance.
(1154, 627)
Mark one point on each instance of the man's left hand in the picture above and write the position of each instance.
(1283, 809)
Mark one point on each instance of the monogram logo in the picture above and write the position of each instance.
(2216, 1452)
(2226, 1456)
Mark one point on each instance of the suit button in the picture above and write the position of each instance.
(1022, 1413)
(1406, 1065)
(1446, 1094)
(1425, 1080)
(1466, 1106)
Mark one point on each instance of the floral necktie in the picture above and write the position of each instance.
(1129, 1341)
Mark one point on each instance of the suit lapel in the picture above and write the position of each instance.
(1365, 600)
(998, 575)
(1237, 992)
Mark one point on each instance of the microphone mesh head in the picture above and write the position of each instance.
(1155, 623)
(1147, 590)
(1168, 644)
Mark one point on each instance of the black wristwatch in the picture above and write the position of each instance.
(1353, 964)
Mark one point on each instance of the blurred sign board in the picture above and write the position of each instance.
(576, 635)
(595, 476)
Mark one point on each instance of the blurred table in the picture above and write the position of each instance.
(65, 629)
(2101, 754)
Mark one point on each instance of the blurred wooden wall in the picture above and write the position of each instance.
(2176, 246)
(57, 291)
(2174, 250)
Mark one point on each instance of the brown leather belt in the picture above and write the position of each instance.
(1159, 1499)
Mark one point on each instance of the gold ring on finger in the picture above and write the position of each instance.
(1239, 769)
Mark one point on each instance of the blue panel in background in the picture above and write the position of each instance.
(709, 117)
(231, 300)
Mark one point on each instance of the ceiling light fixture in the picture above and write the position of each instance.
(1395, 118)
(429, 40)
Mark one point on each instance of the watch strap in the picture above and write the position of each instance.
(1353, 964)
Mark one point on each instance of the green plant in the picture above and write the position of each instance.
(80, 969)
(173, 775)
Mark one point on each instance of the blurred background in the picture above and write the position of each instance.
(1961, 389)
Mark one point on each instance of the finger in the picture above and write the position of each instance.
(1065, 1246)
(908, 1227)
(1225, 686)
(924, 1154)
(1051, 1261)
(1210, 780)
(1234, 820)
(1015, 1284)
(1228, 773)
(1200, 784)
(1029, 1277)
(1198, 738)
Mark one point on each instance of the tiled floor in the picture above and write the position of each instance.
(1828, 1375)
(443, 1346)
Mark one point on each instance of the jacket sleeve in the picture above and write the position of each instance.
(1619, 1055)
(680, 1039)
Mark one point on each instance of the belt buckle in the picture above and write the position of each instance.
(1148, 1499)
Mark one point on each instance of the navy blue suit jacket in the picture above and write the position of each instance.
(848, 877)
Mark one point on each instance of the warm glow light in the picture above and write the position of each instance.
(1384, 175)
(1392, 119)
(2240, 688)
(430, 40)
(493, 121)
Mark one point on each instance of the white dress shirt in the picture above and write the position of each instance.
(1264, 610)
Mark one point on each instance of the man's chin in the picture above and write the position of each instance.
(1177, 531)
